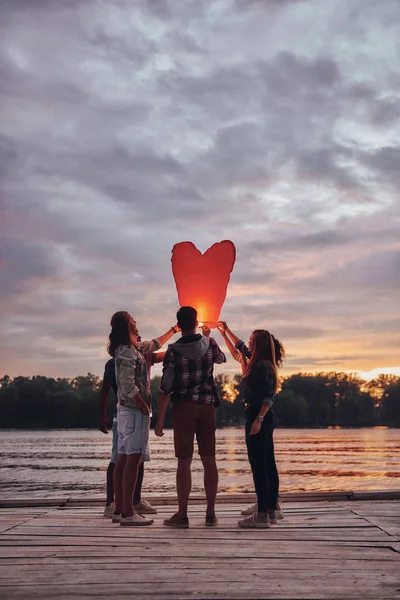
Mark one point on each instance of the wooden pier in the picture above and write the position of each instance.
(324, 549)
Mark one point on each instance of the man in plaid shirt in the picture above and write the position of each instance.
(188, 382)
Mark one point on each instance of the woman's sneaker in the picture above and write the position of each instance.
(109, 510)
(145, 508)
(250, 510)
(253, 508)
(272, 517)
(255, 522)
(135, 520)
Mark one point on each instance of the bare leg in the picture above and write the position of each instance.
(210, 482)
(129, 478)
(118, 474)
(137, 494)
(183, 484)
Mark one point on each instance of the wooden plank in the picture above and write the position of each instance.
(244, 498)
(178, 546)
(17, 567)
(327, 586)
(231, 551)
(374, 507)
(376, 495)
(32, 502)
(7, 526)
(200, 534)
(388, 525)
(98, 574)
(288, 513)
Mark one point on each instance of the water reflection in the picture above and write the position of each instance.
(73, 463)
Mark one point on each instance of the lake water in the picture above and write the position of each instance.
(74, 462)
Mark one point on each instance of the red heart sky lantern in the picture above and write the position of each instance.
(202, 279)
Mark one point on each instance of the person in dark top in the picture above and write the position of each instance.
(188, 382)
(260, 361)
(109, 383)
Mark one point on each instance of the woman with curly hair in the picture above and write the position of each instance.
(133, 410)
(260, 361)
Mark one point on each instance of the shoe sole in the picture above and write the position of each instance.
(116, 521)
(255, 526)
(145, 512)
(132, 524)
(211, 524)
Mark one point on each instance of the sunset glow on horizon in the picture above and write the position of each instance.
(128, 127)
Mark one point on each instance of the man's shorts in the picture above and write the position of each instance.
(114, 449)
(133, 432)
(190, 419)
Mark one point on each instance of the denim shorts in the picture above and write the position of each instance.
(114, 449)
(133, 432)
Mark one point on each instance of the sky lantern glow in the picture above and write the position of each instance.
(202, 279)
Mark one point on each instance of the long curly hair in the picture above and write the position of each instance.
(120, 334)
(265, 347)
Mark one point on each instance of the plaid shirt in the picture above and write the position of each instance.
(191, 379)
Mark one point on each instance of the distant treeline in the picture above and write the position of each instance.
(319, 400)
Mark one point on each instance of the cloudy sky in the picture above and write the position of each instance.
(130, 125)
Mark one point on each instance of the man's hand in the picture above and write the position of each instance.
(206, 330)
(255, 428)
(176, 328)
(103, 424)
(158, 429)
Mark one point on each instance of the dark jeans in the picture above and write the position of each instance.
(260, 450)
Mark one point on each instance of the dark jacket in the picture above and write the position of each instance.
(260, 385)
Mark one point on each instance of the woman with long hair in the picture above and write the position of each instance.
(133, 410)
(260, 361)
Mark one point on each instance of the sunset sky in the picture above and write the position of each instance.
(130, 125)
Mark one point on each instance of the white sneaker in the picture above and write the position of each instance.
(255, 522)
(109, 510)
(251, 510)
(135, 520)
(116, 518)
(145, 508)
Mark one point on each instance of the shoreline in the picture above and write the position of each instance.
(235, 426)
(70, 502)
